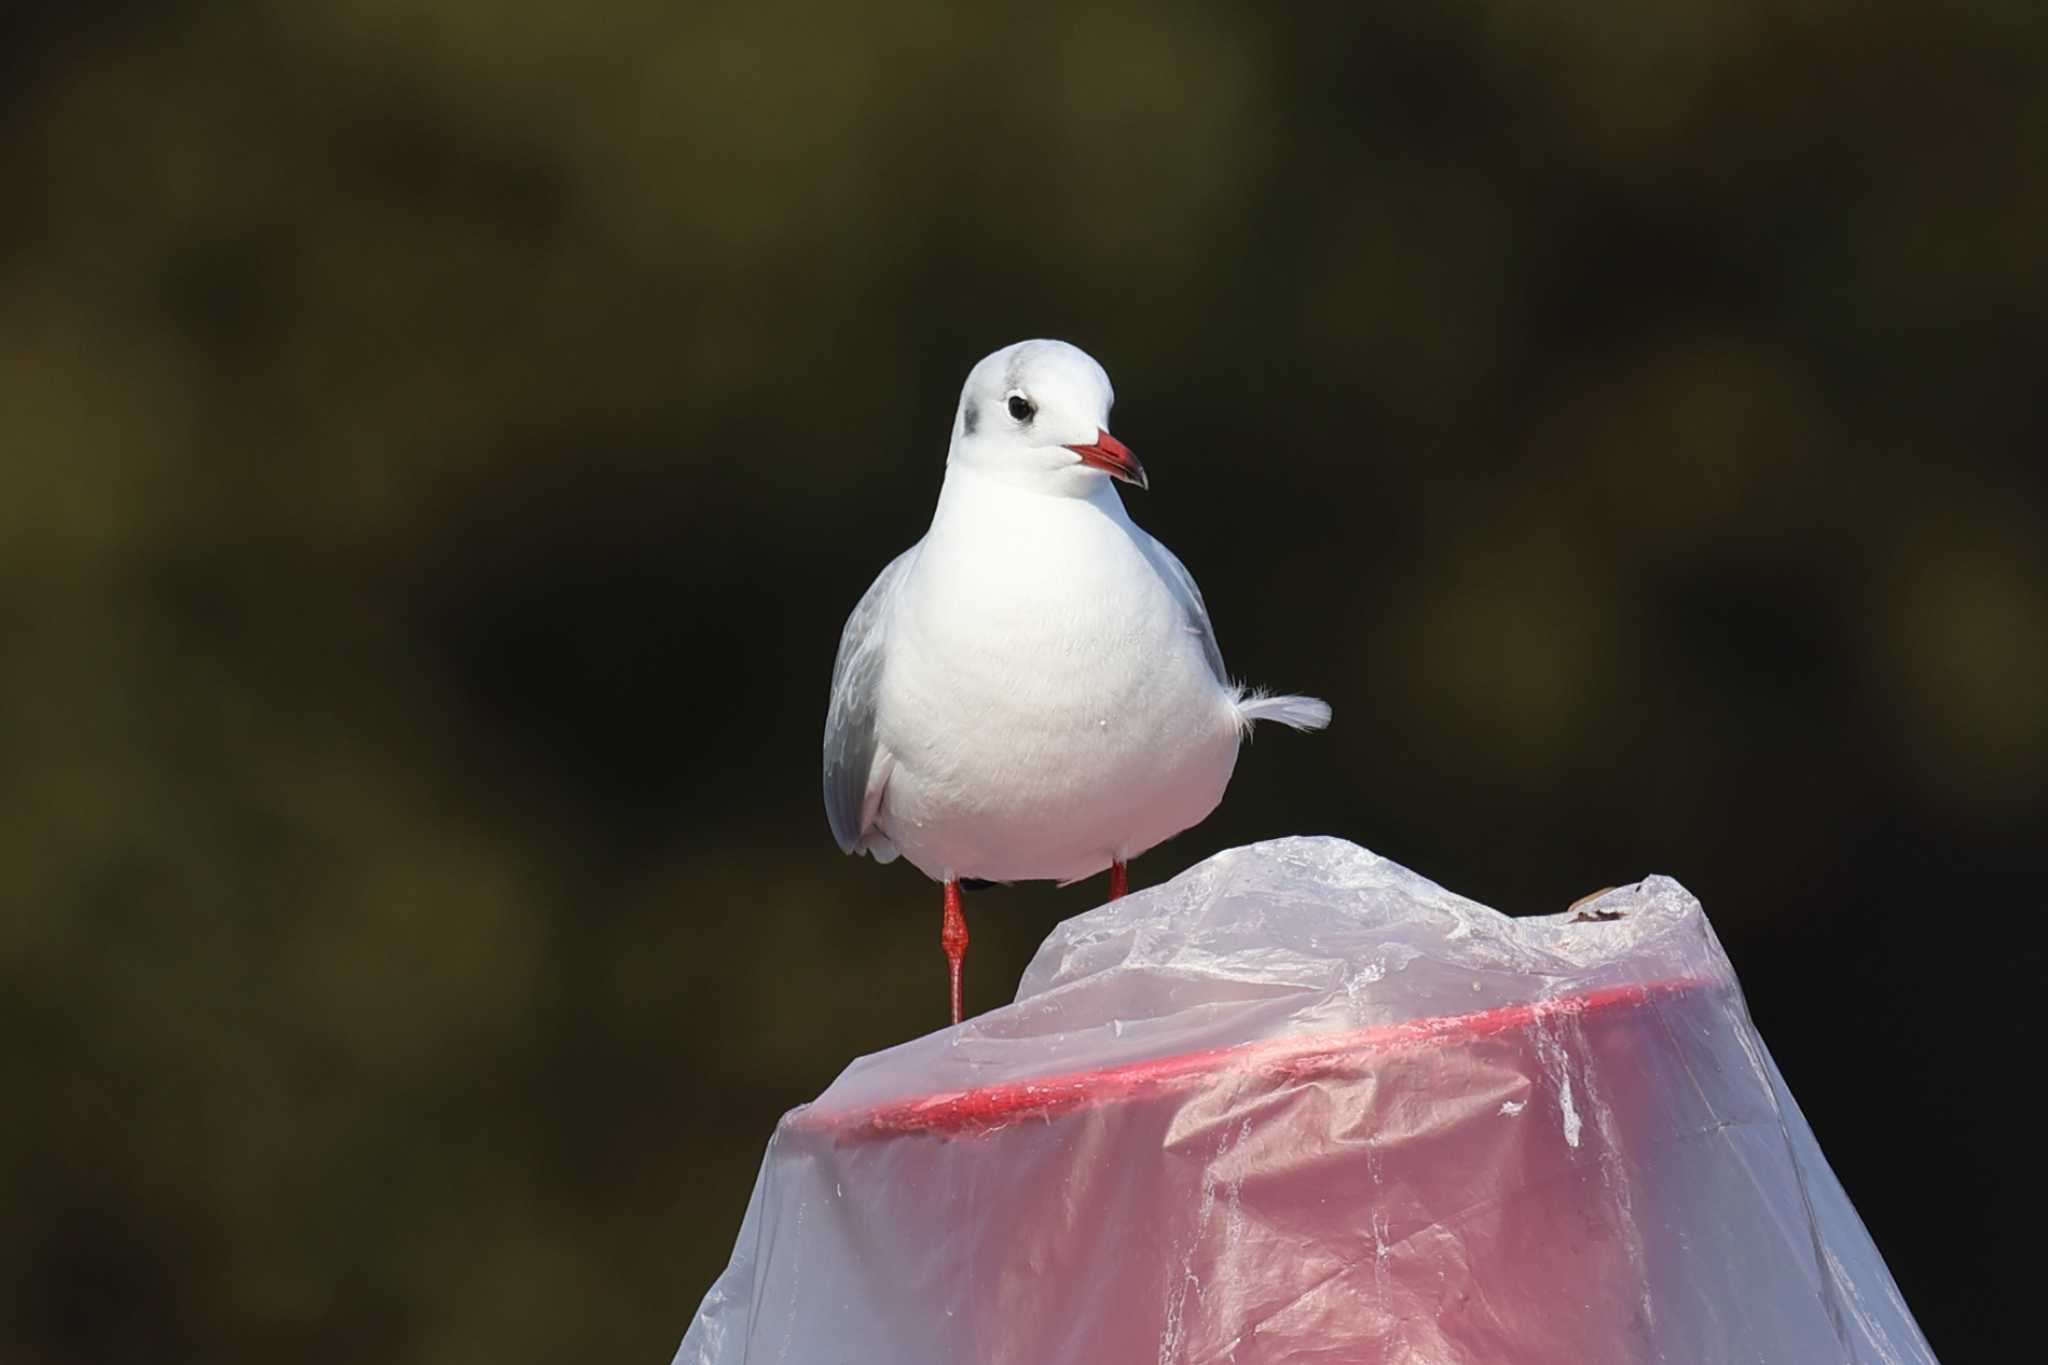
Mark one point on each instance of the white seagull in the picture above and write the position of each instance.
(1033, 691)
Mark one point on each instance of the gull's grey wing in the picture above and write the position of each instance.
(850, 744)
(1183, 584)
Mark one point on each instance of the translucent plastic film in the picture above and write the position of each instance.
(1300, 1104)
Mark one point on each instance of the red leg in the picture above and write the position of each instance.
(953, 938)
(1119, 879)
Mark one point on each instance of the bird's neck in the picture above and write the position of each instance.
(969, 495)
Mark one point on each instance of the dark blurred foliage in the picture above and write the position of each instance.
(442, 440)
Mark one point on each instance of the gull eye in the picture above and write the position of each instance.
(1021, 408)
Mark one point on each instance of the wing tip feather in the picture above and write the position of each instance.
(1295, 712)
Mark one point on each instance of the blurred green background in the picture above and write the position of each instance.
(439, 443)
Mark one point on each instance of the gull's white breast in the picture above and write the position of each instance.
(1044, 702)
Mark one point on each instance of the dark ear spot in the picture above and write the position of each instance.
(970, 417)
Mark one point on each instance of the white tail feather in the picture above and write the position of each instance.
(1299, 713)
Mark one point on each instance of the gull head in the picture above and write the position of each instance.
(1036, 414)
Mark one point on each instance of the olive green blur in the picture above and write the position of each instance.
(440, 441)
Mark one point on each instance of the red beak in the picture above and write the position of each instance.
(1113, 457)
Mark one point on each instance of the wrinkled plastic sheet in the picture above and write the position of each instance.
(1300, 1104)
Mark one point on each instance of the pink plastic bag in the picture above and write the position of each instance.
(1299, 1104)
